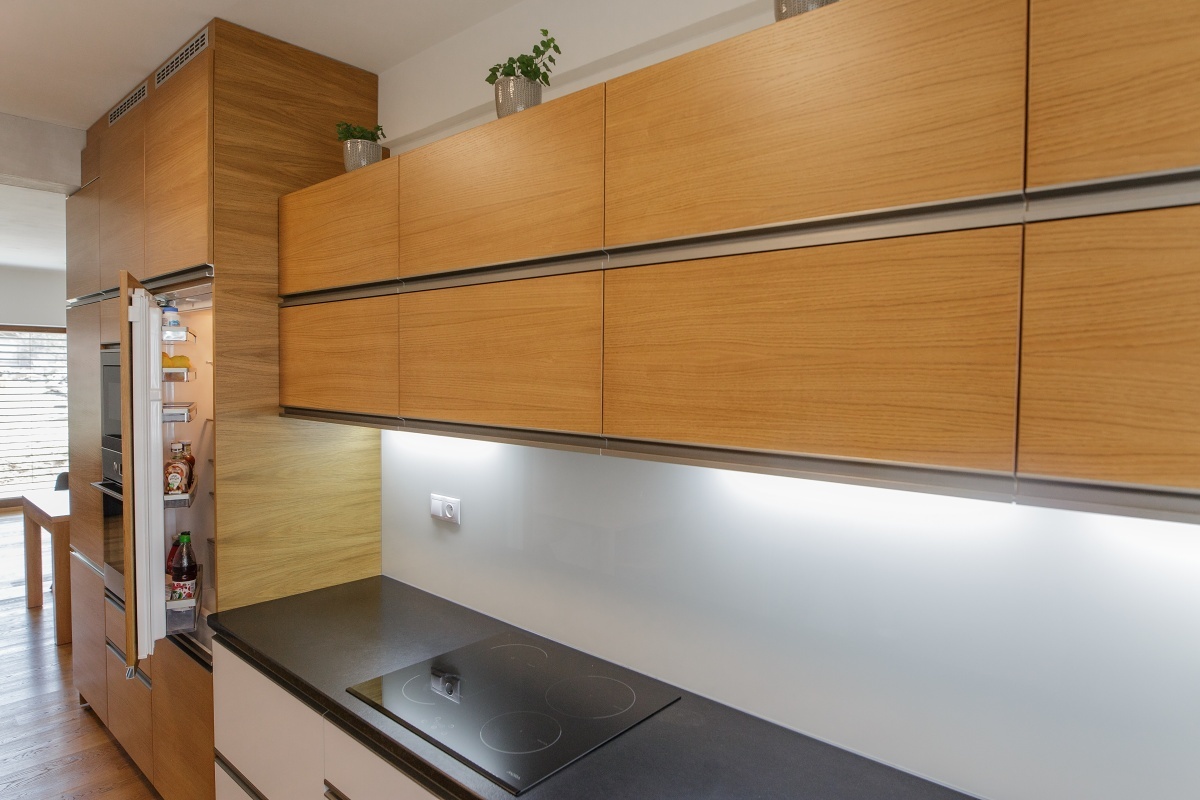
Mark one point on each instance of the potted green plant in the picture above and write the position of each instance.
(519, 80)
(360, 146)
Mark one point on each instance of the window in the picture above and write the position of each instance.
(33, 408)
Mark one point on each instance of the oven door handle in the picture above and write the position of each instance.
(106, 488)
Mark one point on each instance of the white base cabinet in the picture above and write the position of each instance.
(285, 750)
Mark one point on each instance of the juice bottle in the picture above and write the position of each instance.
(184, 569)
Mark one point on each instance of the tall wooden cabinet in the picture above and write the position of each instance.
(122, 192)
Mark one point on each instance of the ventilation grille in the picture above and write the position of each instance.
(189, 51)
(135, 97)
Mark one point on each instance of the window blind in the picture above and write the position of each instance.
(33, 410)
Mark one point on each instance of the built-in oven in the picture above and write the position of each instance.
(112, 486)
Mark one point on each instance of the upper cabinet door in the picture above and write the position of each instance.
(528, 185)
(1112, 88)
(901, 350)
(859, 105)
(339, 232)
(179, 168)
(122, 197)
(1110, 357)
(520, 354)
(83, 241)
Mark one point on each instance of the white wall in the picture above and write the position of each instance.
(1015, 653)
(33, 296)
(38, 155)
(441, 90)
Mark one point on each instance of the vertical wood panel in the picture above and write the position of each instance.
(340, 232)
(1112, 88)
(83, 430)
(179, 169)
(1110, 365)
(129, 715)
(340, 356)
(860, 105)
(275, 110)
(89, 663)
(898, 350)
(522, 354)
(83, 241)
(182, 711)
(122, 197)
(528, 185)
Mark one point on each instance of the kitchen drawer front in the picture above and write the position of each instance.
(228, 788)
(340, 356)
(528, 185)
(269, 736)
(340, 232)
(859, 105)
(129, 715)
(358, 774)
(901, 350)
(521, 354)
(1110, 360)
(89, 661)
(1112, 88)
(182, 708)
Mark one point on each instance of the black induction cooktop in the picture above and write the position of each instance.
(515, 707)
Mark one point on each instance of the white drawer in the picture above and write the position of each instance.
(228, 789)
(359, 774)
(270, 737)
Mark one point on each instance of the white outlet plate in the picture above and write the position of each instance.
(447, 508)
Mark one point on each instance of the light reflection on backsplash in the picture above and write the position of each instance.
(1010, 651)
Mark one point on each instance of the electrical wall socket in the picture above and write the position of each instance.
(447, 508)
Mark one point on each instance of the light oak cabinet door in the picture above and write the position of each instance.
(83, 241)
(1110, 357)
(528, 185)
(521, 354)
(902, 350)
(179, 178)
(182, 710)
(89, 660)
(83, 430)
(340, 232)
(340, 356)
(129, 717)
(856, 106)
(122, 197)
(1112, 88)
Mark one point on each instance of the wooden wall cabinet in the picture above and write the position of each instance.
(340, 232)
(521, 354)
(528, 185)
(1110, 357)
(122, 197)
(340, 356)
(901, 350)
(83, 241)
(1112, 88)
(182, 712)
(860, 105)
(178, 164)
(89, 659)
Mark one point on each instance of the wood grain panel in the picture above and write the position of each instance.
(340, 232)
(179, 169)
(110, 323)
(182, 711)
(340, 356)
(83, 241)
(522, 354)
(88, 659)
(122, 198)
(898, 350)
(1110, 364)
(858, 105)
(1112, 88)
(129, 715)
(275, 111)
(531, 184)
(83, 430)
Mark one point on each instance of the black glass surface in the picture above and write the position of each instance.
(515, 707)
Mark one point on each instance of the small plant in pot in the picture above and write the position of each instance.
(360, 146)
(519, 80)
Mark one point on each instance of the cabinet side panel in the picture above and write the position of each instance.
(182, 704)
(83, 430)
(89, 668)
(297, 503)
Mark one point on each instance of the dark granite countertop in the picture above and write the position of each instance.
(317, 644)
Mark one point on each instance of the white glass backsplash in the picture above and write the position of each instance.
(1015, 653)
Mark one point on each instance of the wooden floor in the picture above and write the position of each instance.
(50, 746)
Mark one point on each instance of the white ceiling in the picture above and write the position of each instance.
(33, 228)
(69, 61)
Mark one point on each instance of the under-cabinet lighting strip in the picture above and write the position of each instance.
(1089, 198)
